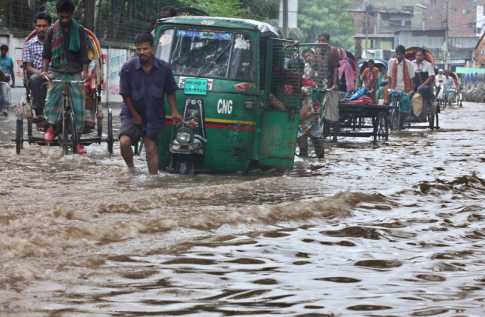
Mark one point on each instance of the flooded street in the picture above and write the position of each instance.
(393, 230)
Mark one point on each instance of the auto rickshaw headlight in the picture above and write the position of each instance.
(183, 137)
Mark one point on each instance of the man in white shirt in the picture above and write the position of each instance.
(400, 71)
(423, 76)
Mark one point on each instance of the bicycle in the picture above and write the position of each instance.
(68, 117)
(68, 136)
(395, 114)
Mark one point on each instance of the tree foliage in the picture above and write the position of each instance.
(319, 16)
(263, 10)
(223, 8)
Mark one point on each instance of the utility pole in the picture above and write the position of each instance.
(285, 18)
(366, 25)
(445, 59)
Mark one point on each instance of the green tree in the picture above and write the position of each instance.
(330, 16)
(263, 10)
(222, 8)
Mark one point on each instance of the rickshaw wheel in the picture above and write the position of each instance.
(99, 126)
(19, 135)
(396, 120)
(74, 135)
(431, 120)
(110, 139)
(29, 130)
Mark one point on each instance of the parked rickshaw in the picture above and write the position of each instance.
(359, 113)
(239, 92)
(94, 117)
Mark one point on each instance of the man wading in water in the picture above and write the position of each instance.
(144, 81)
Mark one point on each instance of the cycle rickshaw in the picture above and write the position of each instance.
(454, 94)
(421, 112)
(68, 138)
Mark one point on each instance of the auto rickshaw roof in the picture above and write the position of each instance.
(220, 22)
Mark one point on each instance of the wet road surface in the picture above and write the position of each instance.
(396, 230)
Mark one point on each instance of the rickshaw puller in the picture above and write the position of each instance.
(400, 74)
(66, 56)
(144, 81)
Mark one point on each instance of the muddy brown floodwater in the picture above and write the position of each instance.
(396, 230)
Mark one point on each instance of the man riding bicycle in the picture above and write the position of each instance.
(66, 59)
(400, 74)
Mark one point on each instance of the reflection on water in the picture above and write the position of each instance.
(395, 230)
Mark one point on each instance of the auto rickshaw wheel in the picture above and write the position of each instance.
(19, 135)
(110, 139)
(186, 167)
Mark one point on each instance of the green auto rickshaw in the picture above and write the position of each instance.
(239, 93)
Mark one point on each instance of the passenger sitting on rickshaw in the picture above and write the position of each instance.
(451, 85)
(65, 56)
(370, 77)
(444, 83)
(346, 73)
(423, 76)
(310, 110)
(308, 82)
(400, 74)
(309, 72)
(32, 61)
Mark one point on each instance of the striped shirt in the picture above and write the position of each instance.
(33, 53)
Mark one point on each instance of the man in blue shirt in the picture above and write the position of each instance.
(6, 65)
(7, 75)
(144, 81)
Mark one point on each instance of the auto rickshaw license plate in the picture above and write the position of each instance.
(195, 86)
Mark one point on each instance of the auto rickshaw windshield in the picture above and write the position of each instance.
(212, 54)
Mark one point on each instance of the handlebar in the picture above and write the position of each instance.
(63, 81)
